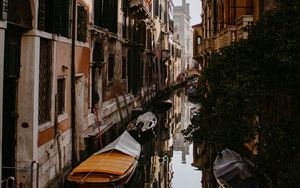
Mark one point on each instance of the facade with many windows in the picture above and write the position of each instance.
(224, 21)
(62, 76)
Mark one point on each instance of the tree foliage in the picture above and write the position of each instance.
(252, 87)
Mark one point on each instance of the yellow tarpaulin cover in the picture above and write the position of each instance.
(113, 162)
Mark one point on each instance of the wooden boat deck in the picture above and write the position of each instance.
(103, 167)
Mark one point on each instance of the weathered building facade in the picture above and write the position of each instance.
(183, 29)
(67, 66)
(223, 23)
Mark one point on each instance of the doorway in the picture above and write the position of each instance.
(10, 85)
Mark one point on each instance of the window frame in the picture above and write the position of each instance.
(124, 67)
(111, 67)
(54, 16)
(198, 40)
(48, 85)
(61, 97)
(81, 23)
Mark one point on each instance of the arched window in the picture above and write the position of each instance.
(198, 40)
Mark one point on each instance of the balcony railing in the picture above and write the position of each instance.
(225, 38)
(139, 9)
(241, 23)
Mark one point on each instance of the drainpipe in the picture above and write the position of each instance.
(73, 102)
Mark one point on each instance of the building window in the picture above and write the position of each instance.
(3, 9)
(124, 67)
(249, 9)
(111, 66)
(54, 16)
(124, 25)
(106, 14)
(155, 7)
(81, 23)
(45, 77)
(232, 12)
(198, 40)
(61, 86)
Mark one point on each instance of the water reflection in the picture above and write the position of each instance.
(166, 159)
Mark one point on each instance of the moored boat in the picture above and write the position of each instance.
(143, 123)
(110, 167)
(231, 168)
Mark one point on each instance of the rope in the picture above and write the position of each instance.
(81, 180)
(100, 142)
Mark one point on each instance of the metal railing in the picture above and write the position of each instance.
(7, 180)
(37, 174)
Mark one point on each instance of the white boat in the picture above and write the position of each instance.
(143, 123)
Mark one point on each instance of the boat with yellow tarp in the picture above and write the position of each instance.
(110, 167)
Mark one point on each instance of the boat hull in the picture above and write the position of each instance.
(113, 184)
(111, 166)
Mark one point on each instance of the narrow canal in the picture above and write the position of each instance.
(166, 159)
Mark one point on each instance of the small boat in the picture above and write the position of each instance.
(110, 167)
(191, 91)
(230, 168)
(143, 123)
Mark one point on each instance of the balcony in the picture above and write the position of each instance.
(139, 9)
(225, 37)
(242, 23)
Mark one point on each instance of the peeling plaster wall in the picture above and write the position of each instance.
(27, 136)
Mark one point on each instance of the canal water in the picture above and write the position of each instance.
(166, 159)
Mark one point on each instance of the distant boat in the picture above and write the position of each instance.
(144, 122)
(110, 167)
(191, 91)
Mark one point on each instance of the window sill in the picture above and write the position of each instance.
(62, 117)
(45, 126)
